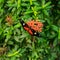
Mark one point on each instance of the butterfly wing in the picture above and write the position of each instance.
(29, 29)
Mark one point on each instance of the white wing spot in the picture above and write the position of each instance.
(23, 24)
(35, 33)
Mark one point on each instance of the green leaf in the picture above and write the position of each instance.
(59, 33)
(10, 42)
(28, 12)
(17, 25)
(47, 4)
(46, 12)
(55, 28)
(55, 42)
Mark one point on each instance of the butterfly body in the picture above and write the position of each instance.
(29, 29)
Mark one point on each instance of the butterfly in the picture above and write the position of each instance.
(29, 29)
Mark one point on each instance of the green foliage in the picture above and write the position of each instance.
(20, 45)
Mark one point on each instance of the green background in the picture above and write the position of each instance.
(16, 43)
